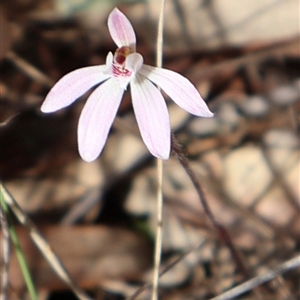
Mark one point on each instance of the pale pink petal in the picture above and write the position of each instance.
(109, 59)
(134, 62)
(72, 86)
(179, 89)
(152, 116)
(121, 29)
(96, 119)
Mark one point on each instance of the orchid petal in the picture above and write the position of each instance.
(109, 59)
(152, 116)
(96, 119)
(121, 29)
(72, 86)
(123, 82)
(179, 89)
(134, 62)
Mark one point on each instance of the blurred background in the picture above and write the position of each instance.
(100, 217)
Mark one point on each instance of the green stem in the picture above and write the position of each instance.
(19, 252)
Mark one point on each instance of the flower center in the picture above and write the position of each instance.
(118, 66)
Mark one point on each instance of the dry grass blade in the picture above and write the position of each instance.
(42, 244)
(258, 280)
(5, 255)
(30, 70)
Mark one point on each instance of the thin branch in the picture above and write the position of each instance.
(165, 270)
(223, 234)
(258, 280)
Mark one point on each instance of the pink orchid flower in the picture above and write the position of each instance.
(124, 67)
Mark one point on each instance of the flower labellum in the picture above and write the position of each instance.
(123, 68)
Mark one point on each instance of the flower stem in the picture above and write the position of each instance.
(158, 241)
